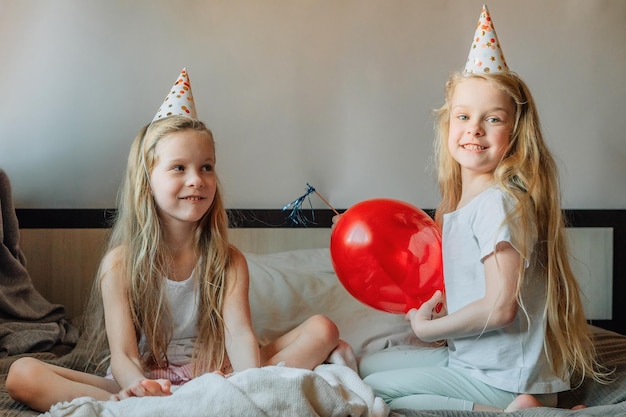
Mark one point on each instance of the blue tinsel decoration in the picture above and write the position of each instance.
(296, 215)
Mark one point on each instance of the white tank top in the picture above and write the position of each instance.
(183, 301)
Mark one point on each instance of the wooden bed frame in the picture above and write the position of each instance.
(63, 247)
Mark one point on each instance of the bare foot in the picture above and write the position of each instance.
(521, 402)
(157, 386)
(528, 401)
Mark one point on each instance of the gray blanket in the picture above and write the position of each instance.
(28, 322)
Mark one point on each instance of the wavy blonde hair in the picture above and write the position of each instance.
(528, 173)
(146, 260)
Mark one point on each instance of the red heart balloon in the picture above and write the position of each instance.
(387, 254)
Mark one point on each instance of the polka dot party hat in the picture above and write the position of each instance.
(179, 101)
(485, 55)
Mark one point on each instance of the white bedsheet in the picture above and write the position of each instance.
(330, 390)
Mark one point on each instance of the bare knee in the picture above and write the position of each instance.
(324, 329)
(20, 377)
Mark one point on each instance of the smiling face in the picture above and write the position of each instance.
(481, 122)
(183, 179)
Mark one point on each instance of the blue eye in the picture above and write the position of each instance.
(493, 120)
(463, 117)
(178, 168)
(207, 167)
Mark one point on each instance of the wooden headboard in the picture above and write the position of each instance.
(63, 248)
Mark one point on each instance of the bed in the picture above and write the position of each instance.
(292, 278)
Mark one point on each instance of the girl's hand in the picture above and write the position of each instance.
(145, 388)
(335, 219)
(429, 310)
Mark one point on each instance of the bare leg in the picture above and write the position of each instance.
(39, 385)
(522, 402)
(306, 346)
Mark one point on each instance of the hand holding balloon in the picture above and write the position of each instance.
(387, 254)
(428, 311)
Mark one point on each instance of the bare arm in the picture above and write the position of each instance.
(242, 344)
(125, 360)
(495, 310)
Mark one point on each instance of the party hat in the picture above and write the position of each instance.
(485, 55)
(179, 101)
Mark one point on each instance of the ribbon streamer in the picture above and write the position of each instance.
(296, 215)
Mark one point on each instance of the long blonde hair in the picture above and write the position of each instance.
(528, 173)
(146, 260)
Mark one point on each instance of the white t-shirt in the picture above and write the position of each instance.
(512, 358)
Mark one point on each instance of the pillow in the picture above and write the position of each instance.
(286, 288)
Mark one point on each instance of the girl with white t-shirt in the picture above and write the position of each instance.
(513, 322)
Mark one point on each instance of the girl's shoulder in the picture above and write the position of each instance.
(111, 264)
(113, 257)
(237, 258)
(493, 198)
(484, 202)
(493, 193)
(237, 272)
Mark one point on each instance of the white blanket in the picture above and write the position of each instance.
(330, 390)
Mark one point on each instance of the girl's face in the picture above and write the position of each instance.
(183, 179)
(481, 122)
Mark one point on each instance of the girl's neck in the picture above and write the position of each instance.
(181, 244)
(183, 264)
(472, 186)
(184, 260)
(179, 235)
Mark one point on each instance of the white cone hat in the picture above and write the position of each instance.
(179, 100)
(485, 56)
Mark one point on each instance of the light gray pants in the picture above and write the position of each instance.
(418, 378)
